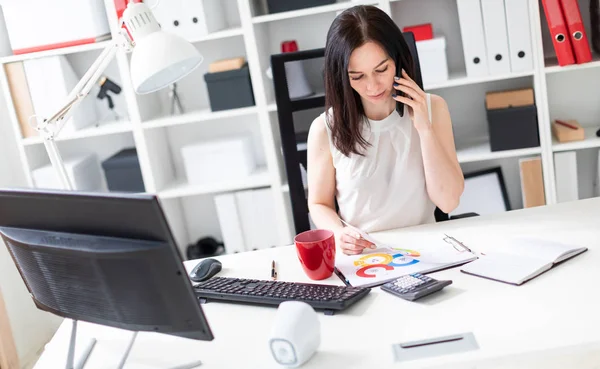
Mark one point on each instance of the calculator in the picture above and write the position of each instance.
(414, 286)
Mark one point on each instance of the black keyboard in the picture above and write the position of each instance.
(320, 296)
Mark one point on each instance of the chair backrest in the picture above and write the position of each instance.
(293, 143)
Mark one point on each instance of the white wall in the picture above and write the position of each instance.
(31, 327)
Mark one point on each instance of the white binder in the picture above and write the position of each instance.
(565, 167)
(519, 35)
(257, 215)
(473, 37)
(496, 37)
(229, 220)
(191, 19)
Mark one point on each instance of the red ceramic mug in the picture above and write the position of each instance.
(316, 251)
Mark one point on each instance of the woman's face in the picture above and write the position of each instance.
(371, 72)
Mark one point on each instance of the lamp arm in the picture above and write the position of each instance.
(51, 127)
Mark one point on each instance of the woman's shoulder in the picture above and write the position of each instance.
(438, 102)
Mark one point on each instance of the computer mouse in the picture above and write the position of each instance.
(205, 269)
(598, 133)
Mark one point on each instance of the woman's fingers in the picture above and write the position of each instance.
(405, 100)
(351, 249)
(410, 92)
(358, 241)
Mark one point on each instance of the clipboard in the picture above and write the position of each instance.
(388, 262)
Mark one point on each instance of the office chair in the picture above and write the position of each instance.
(290, 139)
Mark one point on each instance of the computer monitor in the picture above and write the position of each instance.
(108, 259)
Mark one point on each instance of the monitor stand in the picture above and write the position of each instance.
(89, 346)
(92, 342)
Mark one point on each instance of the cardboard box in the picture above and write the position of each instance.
(567, 134)
(224, 65)
(508, 99)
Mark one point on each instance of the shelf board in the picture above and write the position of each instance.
(198, 116)
(454, 80)
(590, 141)
(553, 67)
(180, 187)
(461, 79)
(309, 11)
(232, 32)
(61, 51)
(481, 151)
(104, 129)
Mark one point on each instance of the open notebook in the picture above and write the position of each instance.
(423, 254)
(521, 260)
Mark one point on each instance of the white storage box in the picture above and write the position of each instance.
(36, 25)
(191, 19)
(84, 173)
(50, 81)
(220, 160)
(432, 59)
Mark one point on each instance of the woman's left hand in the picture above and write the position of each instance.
(416, 100)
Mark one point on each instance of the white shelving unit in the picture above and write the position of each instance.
(561, 92)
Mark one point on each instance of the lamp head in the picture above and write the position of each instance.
(159, 59)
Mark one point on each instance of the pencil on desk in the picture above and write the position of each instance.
(273, 272)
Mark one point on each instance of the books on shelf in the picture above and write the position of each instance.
(521, 260)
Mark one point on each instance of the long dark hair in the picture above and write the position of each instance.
(350, 30)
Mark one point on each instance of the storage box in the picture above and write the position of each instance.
(432, 59)
(34, 25)
(190, 19)
(420, 31)
(278, 6)
(566, 134)
(220, 160)
(84, 173)
(123, 172)
(509, 98)
(229, 90)
(513, 128)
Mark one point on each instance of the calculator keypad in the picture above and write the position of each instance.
(409, 282)
(414, 286)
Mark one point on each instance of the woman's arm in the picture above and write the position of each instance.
(321, 178)
(321, 191)
(443, 175)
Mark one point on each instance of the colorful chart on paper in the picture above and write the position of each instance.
(387, 263)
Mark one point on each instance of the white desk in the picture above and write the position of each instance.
(552, 321)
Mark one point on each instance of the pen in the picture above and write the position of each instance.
(273, 272)
(563, 123)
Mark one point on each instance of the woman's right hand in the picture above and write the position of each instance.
(351, 242)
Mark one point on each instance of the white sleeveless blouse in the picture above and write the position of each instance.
(385, 189)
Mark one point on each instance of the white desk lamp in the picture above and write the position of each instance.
(158, 60)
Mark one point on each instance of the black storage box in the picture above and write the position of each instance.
(123, 172)
(513, 128)
(278, 6)
(230, 89)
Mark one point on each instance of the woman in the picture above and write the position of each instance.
(383, 147)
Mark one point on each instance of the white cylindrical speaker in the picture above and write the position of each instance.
(296, 334)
